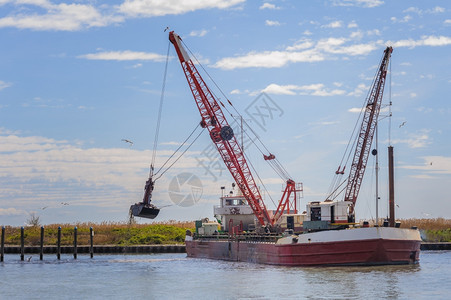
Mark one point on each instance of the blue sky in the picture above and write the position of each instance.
(77, 77)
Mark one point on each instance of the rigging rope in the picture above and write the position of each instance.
(160, 109)
(200, 133)
(176, 150)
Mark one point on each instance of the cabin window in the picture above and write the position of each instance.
(315, 213)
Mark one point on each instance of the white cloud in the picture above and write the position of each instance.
(358, 3)
(416, 140)
(432, 41)
(36, 169)
(353, 25)
(62, 16)
(313, 90)
(302, 51)
(432, 165)
(418, 11)
(448, 22)
(373, 32)
(272, 23)
(335, 24)
(4, 85)
(153, 8)
(11, 211)
(267, 5)
(124, 55)
(403, 20)
(324, 49)
(198, 33)
(267, 59)
(355, 110)
(235, 92)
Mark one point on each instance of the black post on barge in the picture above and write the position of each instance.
(391, 187)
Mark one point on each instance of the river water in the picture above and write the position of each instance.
(173, 276)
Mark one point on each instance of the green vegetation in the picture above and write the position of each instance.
(171, 232)
(432, 230)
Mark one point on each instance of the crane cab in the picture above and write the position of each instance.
(327, 215)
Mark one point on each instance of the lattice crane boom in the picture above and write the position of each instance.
(367, 129)
(221, 133)
(226, 143)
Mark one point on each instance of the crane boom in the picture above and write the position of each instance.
(367, 129)
(221, 133)
(228, 147)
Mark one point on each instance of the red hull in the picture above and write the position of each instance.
(377, 251)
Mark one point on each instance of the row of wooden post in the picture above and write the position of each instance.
(41, 249)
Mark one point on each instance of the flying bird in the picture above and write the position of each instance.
(29, 259)
(64, 203)
(44, 207)
(167, 28)
(402, 124)
(128, 141)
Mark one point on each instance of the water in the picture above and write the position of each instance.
(173, 276)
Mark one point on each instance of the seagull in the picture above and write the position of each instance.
(128, 141)
(64, 203)
(44, 207)
(402, 124)
(167, 28)
(29, 259)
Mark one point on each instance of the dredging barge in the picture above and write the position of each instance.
(303, 242)
(326, 234)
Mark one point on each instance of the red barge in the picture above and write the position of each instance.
(359, 246)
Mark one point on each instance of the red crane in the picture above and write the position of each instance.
(224, 139)
(367, 129)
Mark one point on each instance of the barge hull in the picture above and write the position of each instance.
(381, 246)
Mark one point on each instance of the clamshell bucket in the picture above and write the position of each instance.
(144, 211)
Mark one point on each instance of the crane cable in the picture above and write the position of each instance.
(160, 110)
(176, 150)
(180, 156)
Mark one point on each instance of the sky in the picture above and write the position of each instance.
(77, 78)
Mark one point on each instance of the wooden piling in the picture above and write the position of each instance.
(2, 247)
(91, 248)
(22, 244)
(41, 250)
(75, 242)
(58, 245)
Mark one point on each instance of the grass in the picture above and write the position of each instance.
(432, 230)
(170, 232)
(106, 233)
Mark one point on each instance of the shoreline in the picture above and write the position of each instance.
(133, 249)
